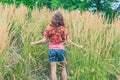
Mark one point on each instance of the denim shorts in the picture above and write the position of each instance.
(55, 55)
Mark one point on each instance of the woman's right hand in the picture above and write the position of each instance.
(80, 46)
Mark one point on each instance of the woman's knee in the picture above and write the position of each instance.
(53, 68)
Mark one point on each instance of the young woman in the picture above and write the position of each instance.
(57, 33)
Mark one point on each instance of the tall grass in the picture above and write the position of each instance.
(98, 60)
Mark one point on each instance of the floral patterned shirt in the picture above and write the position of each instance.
(56, 35)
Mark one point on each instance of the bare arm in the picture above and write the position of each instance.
(69, 41)
(42, 41)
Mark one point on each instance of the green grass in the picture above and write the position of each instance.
(98, 60)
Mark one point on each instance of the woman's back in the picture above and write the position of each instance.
(56, 36)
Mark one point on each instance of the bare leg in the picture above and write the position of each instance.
(53, 70)
(64, 73)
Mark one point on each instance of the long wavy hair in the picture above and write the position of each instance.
(57, 20)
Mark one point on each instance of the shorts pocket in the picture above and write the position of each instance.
(52, 56)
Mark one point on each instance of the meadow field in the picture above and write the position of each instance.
(98, 60)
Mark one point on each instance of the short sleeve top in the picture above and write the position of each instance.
(56, 35)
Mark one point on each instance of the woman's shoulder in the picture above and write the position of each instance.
(63, 28)
(48, 27)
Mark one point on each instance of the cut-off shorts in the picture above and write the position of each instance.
(55, 55)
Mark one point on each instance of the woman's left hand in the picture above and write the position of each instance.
(32, 43)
